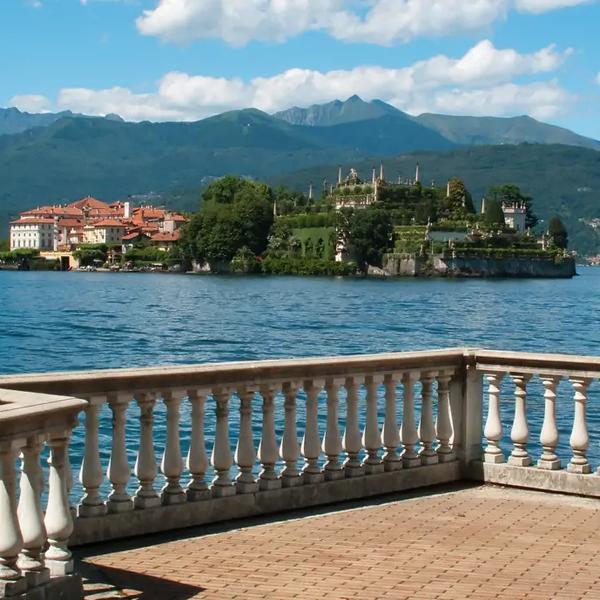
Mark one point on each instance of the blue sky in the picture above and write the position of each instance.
(187, 59)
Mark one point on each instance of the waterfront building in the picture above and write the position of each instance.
(63, 228)
(515, 214)
(35, 233)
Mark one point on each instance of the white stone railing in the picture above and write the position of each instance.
(262, 437)
(34, 558)
(535, 387)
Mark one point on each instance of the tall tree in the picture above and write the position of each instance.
(511, 194)
(459, 203)
(370, 234)
(558, 233)
(493, 216)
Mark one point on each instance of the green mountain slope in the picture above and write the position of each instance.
(470, 131)
(563, 180)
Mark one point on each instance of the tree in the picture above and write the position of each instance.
(558, 233)
(236, 213)
(4, 246)
(510, 194)
(459, 203)
(493, 216)
(370, 235)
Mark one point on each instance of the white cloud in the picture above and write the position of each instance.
(381, 22)
(480, 82)
(31, 103)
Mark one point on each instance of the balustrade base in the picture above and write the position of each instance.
(60, 568)
(91, 510)
(222, 491)
(549, 465)
(12, 588)
(291, 481)
(354, 471)
(120, 506)
(269, 484)
(393, 464)
(197, 495)
(69, 587)
(494, 459)
(427, 459)
(448, 457)
(411, 463)
(36, 578)
(373, 468)
(146, 501)
(520, 461)
(308, 478)
(245, 487)
(581, 469)
(168, 498)
(334, 474)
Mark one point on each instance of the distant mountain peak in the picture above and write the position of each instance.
(338, 112)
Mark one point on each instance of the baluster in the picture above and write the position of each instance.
(245, 453)
(549, 434)
(408, 431)
(391, 434)
(520, 432)
(268, 453)
(352, 441)
(371, 435)
(118, 466)
(426, 426)
(172, 463)
(443, 427)
(332, 445)
(580, 440)
(197, 460)
(58, 520)
(145, 464)
(221, 454)
(289, 448)
(31, 517)
(311, 444)
(493, 423)
(11, 541)
(91, 474)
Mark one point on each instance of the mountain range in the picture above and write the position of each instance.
(59, 157)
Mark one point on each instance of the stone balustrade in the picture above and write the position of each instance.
(34, 558)
(180, 446)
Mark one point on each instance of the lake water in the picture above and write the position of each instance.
(72, 321)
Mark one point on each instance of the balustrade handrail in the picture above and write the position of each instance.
(86, 383)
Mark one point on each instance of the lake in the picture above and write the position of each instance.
(71, 321)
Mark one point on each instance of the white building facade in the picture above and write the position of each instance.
(32, 233)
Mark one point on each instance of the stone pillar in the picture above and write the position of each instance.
(11, 540)
(58, 520)
(31, 518)
(311, 444)
(371, 435)
(549, 434)
(391, 434)
(172, 462)
(245, 454)
(268, 452)
(332, 445)
(118, 466)
(493, 424)
(289, 448)
(145, 464)
(426, 424)
(580, 439)
(520, 431)
(197, 460)
(443, 428)
(221, 454)
(91, 474)
(351, 441)
(408, 431)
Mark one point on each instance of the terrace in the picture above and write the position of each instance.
(379, 432)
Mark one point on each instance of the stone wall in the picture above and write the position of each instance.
(404, 265)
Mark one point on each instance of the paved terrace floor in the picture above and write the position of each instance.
(478, 543)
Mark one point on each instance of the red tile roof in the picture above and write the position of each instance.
(32, 221)
(109, 223)
(165, 237)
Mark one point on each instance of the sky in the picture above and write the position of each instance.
(188, 59)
